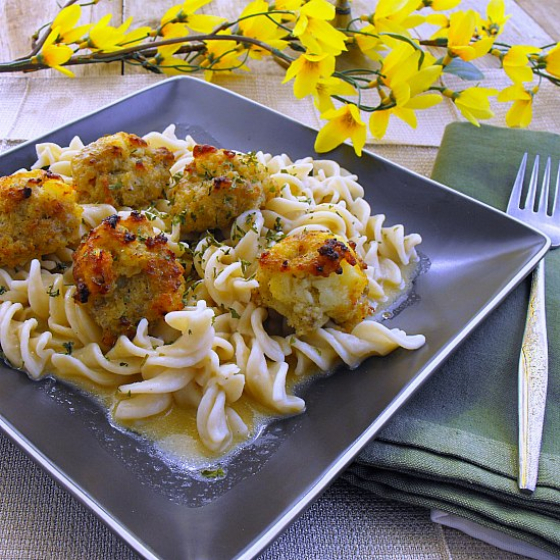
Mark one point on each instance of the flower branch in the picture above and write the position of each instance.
(399, 73)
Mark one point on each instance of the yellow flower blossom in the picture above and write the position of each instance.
(172, 65)
(402, 105)
(408, 85)
(172, 31)
(307, 70)
(516, 63)
(344, 123)
(462, 26)
(314, 31)
(54, 55)
(442, 22)
(263, 27)
(520, 113)
(552, 61)
(396, 16)
(496, 18)
(401, 67)
(105, 37)
(400, 63)
(288, 5)
(221, 56)
(66, 21)
(369, 42)
(325, 88)
(439, 5)
(379, 120)
(474, 103)
(185, 13)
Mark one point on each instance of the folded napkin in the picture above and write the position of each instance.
(453, 446)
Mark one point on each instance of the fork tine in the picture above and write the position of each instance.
(532, 191)
(515, 196)
(556, 195)
(543, 199)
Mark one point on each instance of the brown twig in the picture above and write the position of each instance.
(147, 49)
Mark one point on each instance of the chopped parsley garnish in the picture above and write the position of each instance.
(53, 293)
(213, 474)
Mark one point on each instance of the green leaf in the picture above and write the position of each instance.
(465, 70)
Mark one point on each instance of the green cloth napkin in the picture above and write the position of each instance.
(453, 446)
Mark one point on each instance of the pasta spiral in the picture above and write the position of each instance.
(223, 347)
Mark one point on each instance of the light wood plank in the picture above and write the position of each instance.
(546, 14)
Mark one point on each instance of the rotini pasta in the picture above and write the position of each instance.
(225, 348)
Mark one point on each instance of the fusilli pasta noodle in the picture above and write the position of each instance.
(222, 347)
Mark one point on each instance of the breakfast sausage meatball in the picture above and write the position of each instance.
(216, 187)
(313, 277)
(121, 170)
(125, 272)
(38, 215)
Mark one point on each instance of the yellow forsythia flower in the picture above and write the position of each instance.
(442, 22)
(408, 83)
(223, 57)
(395, 16)
(185, 13)
(369, 42)
(314, 31)
(307, 70)
(54, 55)
(171, 65)
(344, 123)
(516, 63)
(462, 27)
(66, 21)
(474, 103)
(552, 61)
(327, 87)
(496, 18)
(263, 27)
(439, 5)
(105, 37)
(520, 113)
(172, 31)
(288, 5)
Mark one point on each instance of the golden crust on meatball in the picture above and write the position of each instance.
(38, 215)
(312, 277)
(216, 187)
(125, 272)
(121, 170)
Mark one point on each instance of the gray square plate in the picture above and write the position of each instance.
(477, 256)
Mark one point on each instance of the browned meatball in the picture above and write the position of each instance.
(313, 277)
(216, 187)
(121, 170)
(125, 272)
(38, 215)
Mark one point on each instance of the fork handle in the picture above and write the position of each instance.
(533, 380)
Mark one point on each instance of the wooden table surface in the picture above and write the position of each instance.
(18, 20)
